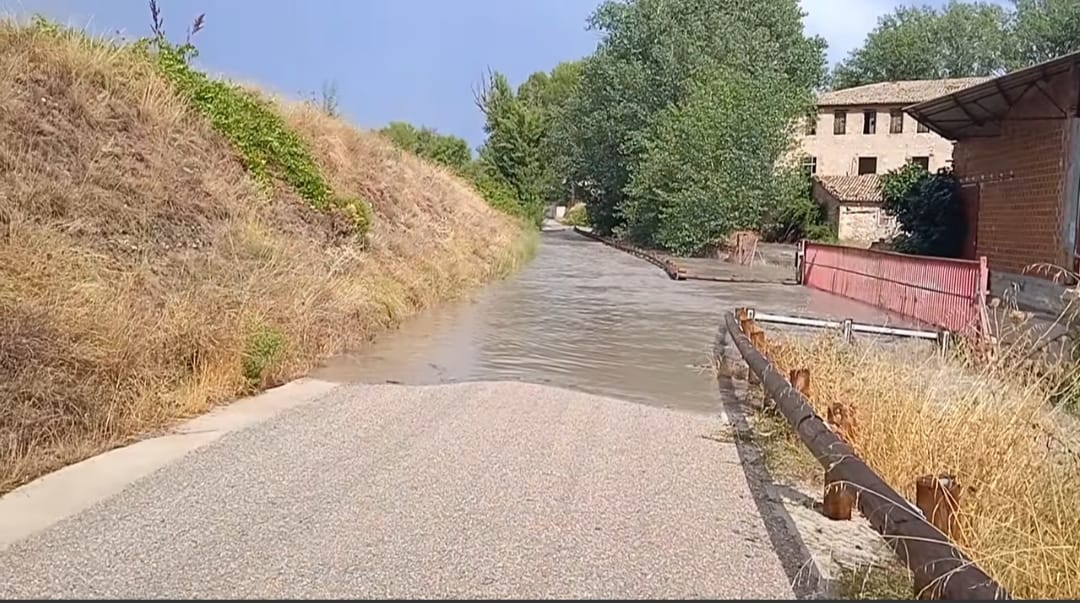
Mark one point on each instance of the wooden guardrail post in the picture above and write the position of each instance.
(838, 499)
(934, 561)
(800, 380)
(938, 497)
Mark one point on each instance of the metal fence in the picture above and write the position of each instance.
(943, 292)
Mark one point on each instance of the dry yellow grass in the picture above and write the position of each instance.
(991, 426)
(139, 265)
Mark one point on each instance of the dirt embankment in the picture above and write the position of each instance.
(144, 276)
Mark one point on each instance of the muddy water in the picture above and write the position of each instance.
(582, 315)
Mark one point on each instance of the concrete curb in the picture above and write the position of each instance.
(68, 491)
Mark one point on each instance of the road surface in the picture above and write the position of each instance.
(464, 490)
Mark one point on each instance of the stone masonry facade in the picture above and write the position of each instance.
(839, 154)
(877, 135)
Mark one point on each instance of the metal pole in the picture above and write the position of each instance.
(848, 326)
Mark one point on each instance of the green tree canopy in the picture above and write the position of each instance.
(444, 149)
(673, 91)
(962, 39)
(1044, 29)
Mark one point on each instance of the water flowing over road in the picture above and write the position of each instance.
(584, 316)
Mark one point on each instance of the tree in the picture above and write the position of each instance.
(642, 133)
(550, 94)
(513, 150)
(1044, 29)
(962, 39)
(928, 209)
(959, 40)
(444, 149)
(708, 167)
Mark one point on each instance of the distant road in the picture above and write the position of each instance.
(465, 490)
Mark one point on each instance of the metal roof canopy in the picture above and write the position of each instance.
(978, 111)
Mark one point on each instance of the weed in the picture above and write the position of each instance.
(267, 147)
(264, 349)
(991, 425)
(785, 455)
(877, 582)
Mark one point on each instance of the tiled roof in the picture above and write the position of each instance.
(865, 188)
(896, 93)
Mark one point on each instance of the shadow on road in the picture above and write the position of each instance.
(768, 494)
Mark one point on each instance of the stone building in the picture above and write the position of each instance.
(853, 204)
(864, 130)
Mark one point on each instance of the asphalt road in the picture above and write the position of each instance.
(468, 490)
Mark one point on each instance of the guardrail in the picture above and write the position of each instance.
(943, 292)
(848, 327)
(673, 270)
(940, 569)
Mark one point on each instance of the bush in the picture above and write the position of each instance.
(577, 215)
(928, 210)
(264, 348)
(444, 149)
(797, 215)
(500, 194)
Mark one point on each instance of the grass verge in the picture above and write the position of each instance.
(145, 276)
(992, 426)
(878, 582)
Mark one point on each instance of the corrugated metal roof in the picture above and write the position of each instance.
(977, 111)
(896, 93)
(865, 188)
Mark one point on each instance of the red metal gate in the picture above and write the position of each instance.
(943, 292)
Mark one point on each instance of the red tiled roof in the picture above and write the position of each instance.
(865, 188)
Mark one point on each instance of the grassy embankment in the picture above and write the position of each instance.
(992, 425)
(168, 244)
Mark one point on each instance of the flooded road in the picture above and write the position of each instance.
(584, 316)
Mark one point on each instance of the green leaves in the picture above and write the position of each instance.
(683, 112)
(962, 39)
(444, 149)
(1044, 29)
(268, 149)
(520, 151)
(927, 207)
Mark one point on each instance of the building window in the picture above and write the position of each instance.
(923, 162)
(867, 165)
(811, 125)
(839, 124)
(809, 166)
(869, 122)
(896, 121)
(922, 129)
(884, 220)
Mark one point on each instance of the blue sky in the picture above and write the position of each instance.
(411, 60)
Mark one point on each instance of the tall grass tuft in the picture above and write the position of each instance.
(992, 424)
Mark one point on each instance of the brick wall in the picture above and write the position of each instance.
(1022, 180)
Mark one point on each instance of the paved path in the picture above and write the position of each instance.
(466, 490)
